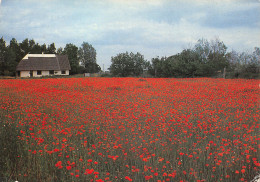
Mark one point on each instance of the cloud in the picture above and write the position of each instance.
(151, 27)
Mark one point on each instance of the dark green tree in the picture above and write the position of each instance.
(31, 44)
(59, 50)
(125, 64)
(15, 47)
(139, 63)
(10, 62)
(12, 57)
(44, 48)
(72, 52)
(184, 64)
(87, 56)
(25, 48)
(51, 49)
(157, 68)
(34, 47)
(122, 65)
(2, 56)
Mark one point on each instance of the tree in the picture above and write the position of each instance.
(156, 68)
(122, 65)
(15, 47)
(72, 52)
(205, 59)
(35, 48)
(51, 49)
(24, 46)
(12, 57)
(202, 48)
(2, 55)
(212, 57)
(43, 48)
(254, 64)
(87, 56)
(256, 56)
(31, 44)
(244, 65)
(60, 51)
(187, 64)
(10, 62)
(125, 64)
(139, 63)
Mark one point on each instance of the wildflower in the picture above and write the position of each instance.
(128, 178)
(68, 167)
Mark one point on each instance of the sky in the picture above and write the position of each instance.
(150, 27)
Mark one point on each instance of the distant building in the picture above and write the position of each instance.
(37, 65)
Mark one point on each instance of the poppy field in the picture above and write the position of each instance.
(129, 129)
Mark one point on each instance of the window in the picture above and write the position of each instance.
(63, 72)
(39, 72)
(51, 72)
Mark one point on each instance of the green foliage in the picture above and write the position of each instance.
(185, 64)
(15, 48)
(51, 49)
(206, 59)
(44, 48)
(244, 65)
(122, 65)
(87, 56)
(125, 64)
(8, 58)
(60, 51)
(156, 68)
(91, 67)
(24, 47)
(2, 56)
(36, 49)
(72, 52)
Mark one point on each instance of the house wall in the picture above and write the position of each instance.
(25, 73)
(59, 72)
(44, 73)
(67, 72)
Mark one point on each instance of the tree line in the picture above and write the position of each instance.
(82, 59)
(205, 59)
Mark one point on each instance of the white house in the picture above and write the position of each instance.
(37, 65)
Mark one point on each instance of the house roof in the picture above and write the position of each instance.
(44, 62)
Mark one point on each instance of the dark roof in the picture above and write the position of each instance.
(59, 62)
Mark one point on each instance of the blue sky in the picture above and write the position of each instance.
(151, 27)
